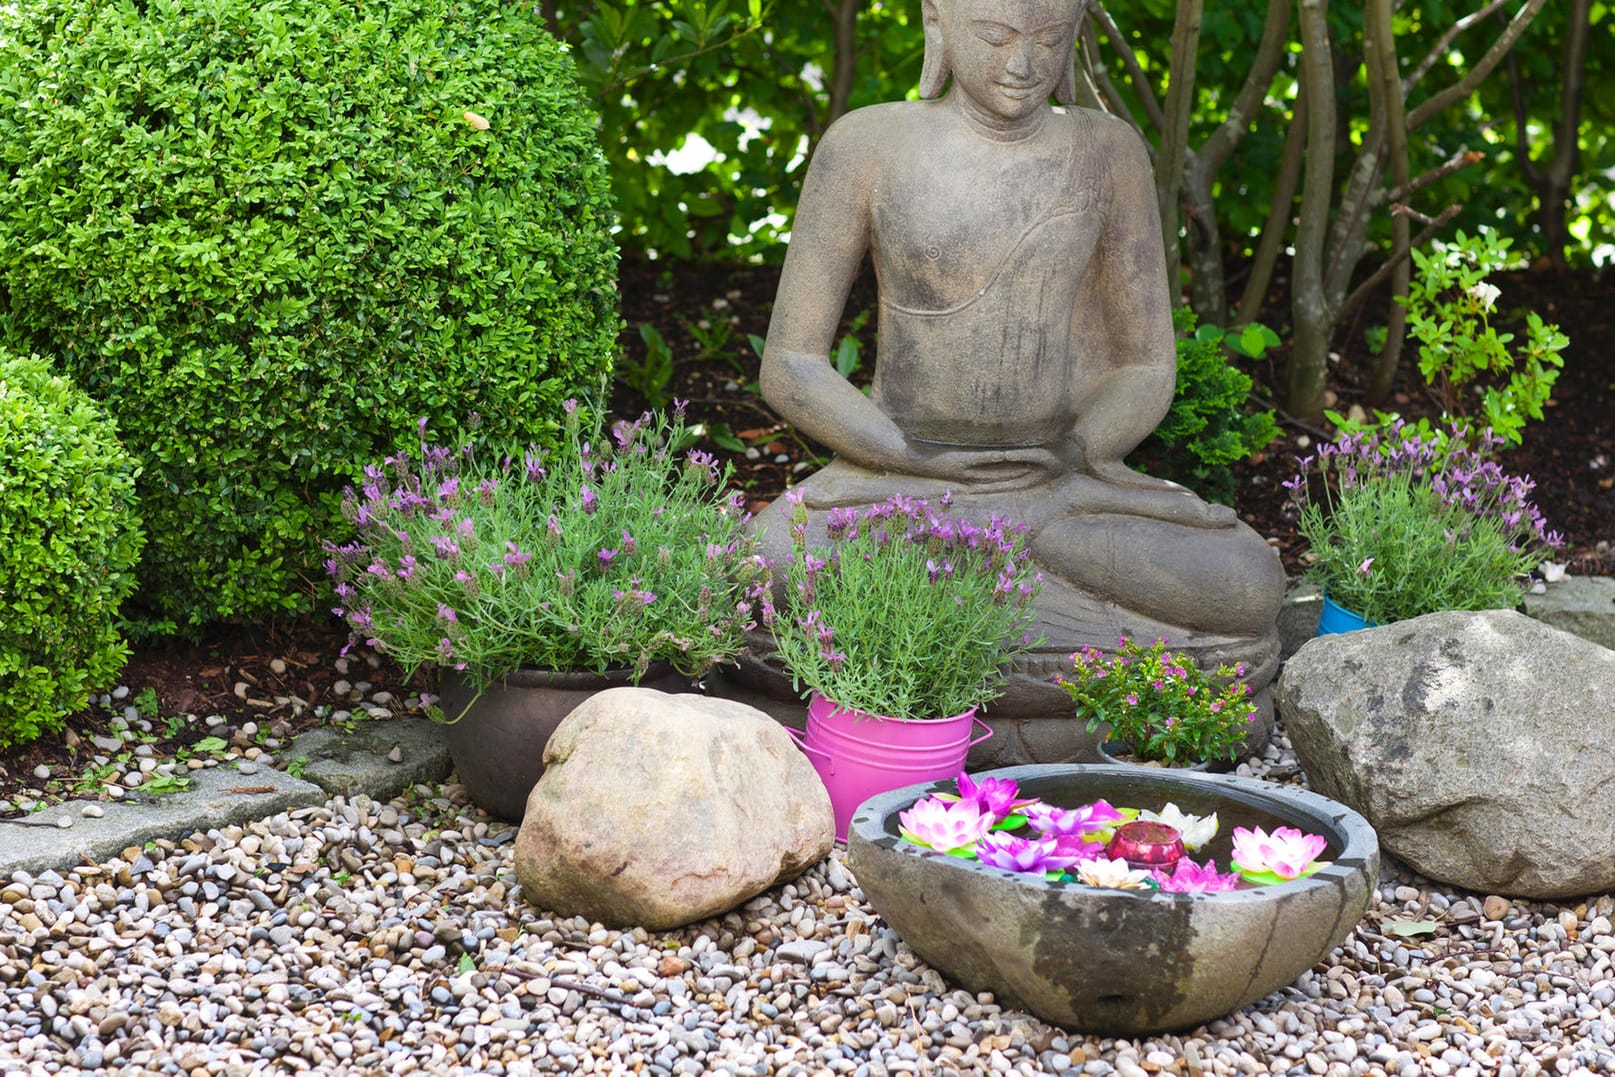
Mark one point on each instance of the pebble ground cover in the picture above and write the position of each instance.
(361, 937)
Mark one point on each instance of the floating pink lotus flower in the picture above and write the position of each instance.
(1077, 847)
(1090, 820)
(1112, 875)
(1035, 855)
(944, 825)
(1191, 878)
(996, 797)
(1284, 854)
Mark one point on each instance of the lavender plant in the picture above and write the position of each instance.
(907, 613)
(1401, 523)
(613, 551)
(1162, 705)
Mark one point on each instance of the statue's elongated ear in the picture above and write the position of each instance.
(1066, 91)
(936, 70)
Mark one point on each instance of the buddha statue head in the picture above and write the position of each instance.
(1006, 56)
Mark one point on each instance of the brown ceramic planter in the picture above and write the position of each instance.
(498, 746)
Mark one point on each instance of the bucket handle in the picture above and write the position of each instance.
(797, 735)
(975, 722)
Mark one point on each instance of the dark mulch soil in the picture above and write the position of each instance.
(232, 672)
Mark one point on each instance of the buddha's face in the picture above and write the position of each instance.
(1007, 55)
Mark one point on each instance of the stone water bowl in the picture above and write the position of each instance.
(1120, 962)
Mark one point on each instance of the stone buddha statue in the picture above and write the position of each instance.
(1025, 343)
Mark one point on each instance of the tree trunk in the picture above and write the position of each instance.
(1173, 155)
(844, 31)
(1208, 285)
(1309, 355)
(1385, 81)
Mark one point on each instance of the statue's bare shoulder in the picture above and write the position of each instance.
(859, 142)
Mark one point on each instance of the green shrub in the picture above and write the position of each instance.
(1210, 424)
(69, 537)
(269, 234)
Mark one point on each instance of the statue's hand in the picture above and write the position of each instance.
(1138, 494)
(987, 470)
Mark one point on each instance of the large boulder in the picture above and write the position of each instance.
(659, 810)
(1481, 747)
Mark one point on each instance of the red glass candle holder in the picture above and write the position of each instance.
(1150, 846)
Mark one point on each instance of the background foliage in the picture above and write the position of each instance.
(270, 234)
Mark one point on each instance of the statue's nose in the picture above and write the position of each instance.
(1020, 66)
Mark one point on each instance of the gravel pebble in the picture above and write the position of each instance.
(367, 938)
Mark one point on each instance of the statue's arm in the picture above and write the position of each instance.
(828, 242)
(1124, 321)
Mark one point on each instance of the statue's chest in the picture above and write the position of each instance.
(948, 234)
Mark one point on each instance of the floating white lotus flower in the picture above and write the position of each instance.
(1112, 875)
(1196, 830)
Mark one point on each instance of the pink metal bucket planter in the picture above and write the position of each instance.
(859, 755)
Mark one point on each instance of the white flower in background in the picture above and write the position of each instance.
(1486, 293)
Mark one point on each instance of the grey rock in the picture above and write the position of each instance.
(1481, 746)
(659, 810)
(1581, 605)
(801, 951)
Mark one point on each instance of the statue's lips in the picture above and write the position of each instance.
(1016, 93)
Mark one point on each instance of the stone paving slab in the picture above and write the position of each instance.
(1581, 605)
(339, 763)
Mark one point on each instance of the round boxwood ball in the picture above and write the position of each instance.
(272, 234)
(69, 537)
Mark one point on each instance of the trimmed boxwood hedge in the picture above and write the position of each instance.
(271, 234)
(69, 537)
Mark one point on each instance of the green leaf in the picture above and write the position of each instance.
(467, 964)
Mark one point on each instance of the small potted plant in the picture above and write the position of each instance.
(535, 582)
(1400, 523)
(1161, 708)
(898, 631)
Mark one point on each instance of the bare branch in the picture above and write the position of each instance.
(1465, 86)
(1135, 72)
(1460, 160)
(1269, 54)
(1432, 226)
(1277, 225)
(1114, 104)
(1441, 46)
